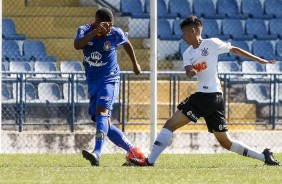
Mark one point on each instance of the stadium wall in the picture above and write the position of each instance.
(182, 142)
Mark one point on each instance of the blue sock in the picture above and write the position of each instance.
(101, 130)
(118, 138)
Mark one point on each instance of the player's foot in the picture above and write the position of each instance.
(134, 152)
(91, 157)
(141, 162)
(269, 158)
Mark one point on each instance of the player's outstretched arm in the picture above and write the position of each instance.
(129, 50)
(243, 53)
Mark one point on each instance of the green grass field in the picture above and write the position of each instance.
(188, 168)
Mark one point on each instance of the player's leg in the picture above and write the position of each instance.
(164, 137)
(111, 91)
(102, 127)
(242, 149)
(217, 125)
(176, 121)
(91, 155)
(181, 117)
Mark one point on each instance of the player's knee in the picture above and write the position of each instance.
(170, 126)
(99, 135)
(102, 111)
(225, 144)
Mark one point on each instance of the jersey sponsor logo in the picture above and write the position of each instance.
(90, 43)
(221, 127)
(200, 66)
(106, 98)
(107, 46)
(192, 116)
(205, 51)
(94, 59)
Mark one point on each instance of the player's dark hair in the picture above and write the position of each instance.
(104, 15)
(191, 21)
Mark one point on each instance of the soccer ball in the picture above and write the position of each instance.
(133, 153)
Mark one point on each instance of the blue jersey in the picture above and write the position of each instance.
(100, 54)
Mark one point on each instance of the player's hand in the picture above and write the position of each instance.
(193, 72)
(136, 69)
(105, 28)
(264, 61)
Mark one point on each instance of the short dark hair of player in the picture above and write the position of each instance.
(104, 15)
(191, 21)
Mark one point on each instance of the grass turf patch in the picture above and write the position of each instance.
(177, 168)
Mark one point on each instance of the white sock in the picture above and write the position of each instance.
(160, 144)
(243, 149)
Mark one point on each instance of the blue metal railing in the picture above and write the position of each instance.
(21, 79)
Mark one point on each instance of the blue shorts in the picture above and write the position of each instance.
(102, 93)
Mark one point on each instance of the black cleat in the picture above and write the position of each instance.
(141, 162)
(269, 158)
(91, 157)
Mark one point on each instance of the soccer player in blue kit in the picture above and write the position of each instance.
(99, 41)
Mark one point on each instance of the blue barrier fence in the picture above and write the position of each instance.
(67, 107)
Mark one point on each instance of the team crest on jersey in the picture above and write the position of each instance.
(95, 59)
(205, 51)
(107, 46)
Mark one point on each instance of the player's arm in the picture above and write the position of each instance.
(82, 42)
(190, 71)
(129, 50)
(243, 53)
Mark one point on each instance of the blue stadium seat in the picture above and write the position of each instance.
(257, 27)
(165, 31)
(80, 93)
(49, 92)
(11, 51)
(133, 8)
(230, 9)
(29, 93)
(278, 49)
(264, 49)
(234, 28)
(211, 29)
(253, 8)
(9, 30)
(162, 10)
(258, 93)
(229, 66)
(36, 51)
(179, 7)
(176, 28)
(45, 67)
(182, 47)
(7, 97)
(206, 9)
(227, 57)
(20, 66)
(273, 7)
(280, 94)
(274, 68)
(243, 45)
(4, 69)
(275, 27)
(252, 67)
(70, 66)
